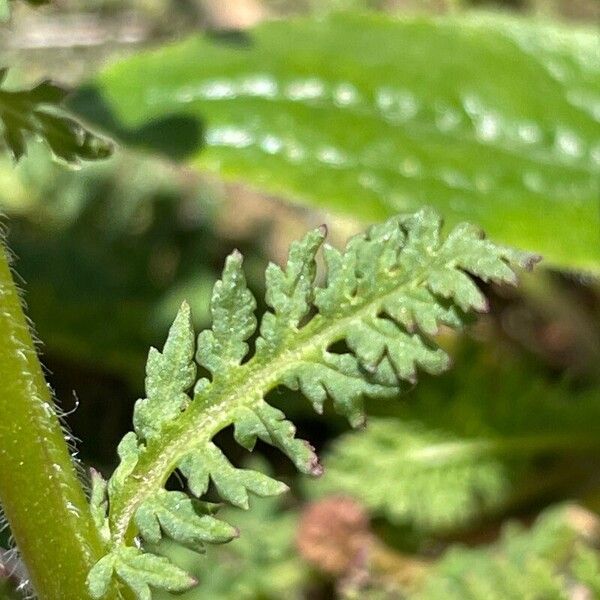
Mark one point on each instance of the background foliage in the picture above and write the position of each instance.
(369, 117)
(107, 253)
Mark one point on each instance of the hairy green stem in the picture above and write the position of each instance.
(40, 493)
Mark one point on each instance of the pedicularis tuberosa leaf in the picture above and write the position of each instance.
(491, 120)
(550, 559)
(505, 454)
(385, 294)
(37, 113)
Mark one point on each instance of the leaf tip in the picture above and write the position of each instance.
(482, 307)
(237, 255)
(529, 261)
(316, 469)
(184, 308)
(360, 421)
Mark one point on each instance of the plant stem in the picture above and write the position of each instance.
(40, 493)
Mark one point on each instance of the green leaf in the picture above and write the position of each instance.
(545, 561)
(486, 118)
(180, 518)
(270, 425)
(37, 113)
(290, 292)
(140, 570)
(100, 576)
(262, 563)
(128, 451)
(232, 484)
(99, 503)
(169, 375)
(232, 309)
(295, 348)
(490, 437)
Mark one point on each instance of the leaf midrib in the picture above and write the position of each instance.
(205, 417)
(441, 453)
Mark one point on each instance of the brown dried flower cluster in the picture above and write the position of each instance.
(334, 535)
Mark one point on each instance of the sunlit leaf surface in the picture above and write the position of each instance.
(494, 121)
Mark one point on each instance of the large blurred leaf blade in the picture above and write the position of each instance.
(487, 118)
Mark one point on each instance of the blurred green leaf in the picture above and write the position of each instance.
(556, 558)
(36, 113)
(486, 118)
(491, 437)
(108, 253)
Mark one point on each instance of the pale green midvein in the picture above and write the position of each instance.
(213, 410)
(439, 453)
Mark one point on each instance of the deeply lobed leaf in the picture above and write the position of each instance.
(550, 560)
(399, 273)
(232, 309)
(139, 570)
(181, 518)
(37, 113)
(232, 484)
(169, 376)
(488, 438)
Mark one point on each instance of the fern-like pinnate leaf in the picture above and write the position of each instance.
(181, 518)
(37, 113)
(554, 559)
(169, 375)
(138, 570)
(488, 438)
(391, 287)
(263, 563)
